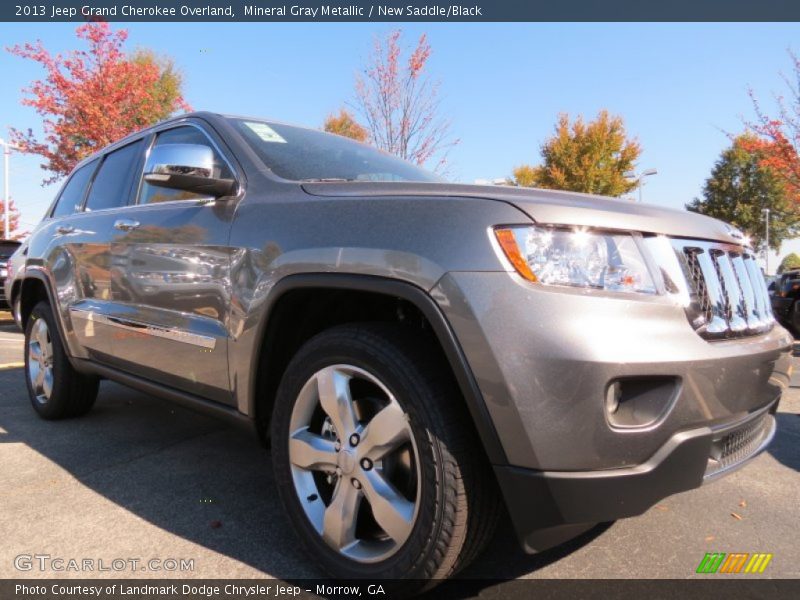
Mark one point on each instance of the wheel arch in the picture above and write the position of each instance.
(32, 289)
(267, 373)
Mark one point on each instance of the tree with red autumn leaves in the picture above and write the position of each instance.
(399, 103)
(777, 136)
(93, 97)
(741, 186)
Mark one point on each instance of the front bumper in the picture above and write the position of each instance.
(548, 507)
(544, 361)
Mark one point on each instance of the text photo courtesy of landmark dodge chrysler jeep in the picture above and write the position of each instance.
(418, 353)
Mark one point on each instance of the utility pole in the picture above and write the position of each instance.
(766, 237)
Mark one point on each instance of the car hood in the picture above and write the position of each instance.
(553, 207)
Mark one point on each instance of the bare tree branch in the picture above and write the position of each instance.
(400, 105)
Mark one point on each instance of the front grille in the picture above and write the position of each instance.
(728, 294)
(734, 447)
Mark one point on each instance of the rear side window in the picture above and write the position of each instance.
(72, 195)
(182, 135)
(112, 186)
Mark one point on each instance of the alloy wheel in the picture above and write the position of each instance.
(40, 361)
(354, 463)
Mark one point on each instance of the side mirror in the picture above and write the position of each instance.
(188, 167)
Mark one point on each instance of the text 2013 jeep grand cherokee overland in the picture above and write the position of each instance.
(417, 352)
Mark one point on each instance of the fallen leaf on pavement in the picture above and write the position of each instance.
(662, 507)
(216, 524)
(737, 517)
(710, 538)
(743, 503)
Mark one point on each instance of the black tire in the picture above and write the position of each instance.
(459, 501)
(73, 394)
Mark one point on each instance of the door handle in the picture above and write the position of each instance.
(65, 230)
(126, 224)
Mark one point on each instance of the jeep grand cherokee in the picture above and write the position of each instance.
(417, 352)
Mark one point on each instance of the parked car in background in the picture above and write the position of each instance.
(417, 352)
(7, 248)
(784, 296)
(770, 281)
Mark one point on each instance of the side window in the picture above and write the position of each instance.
(72, 195)
(181, 135)
(112, 186)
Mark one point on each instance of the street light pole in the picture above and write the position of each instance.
(6, 200)
(640, 178)
(766, 237)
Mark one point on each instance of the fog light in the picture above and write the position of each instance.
(643, 401)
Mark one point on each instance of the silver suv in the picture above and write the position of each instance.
(418, 354)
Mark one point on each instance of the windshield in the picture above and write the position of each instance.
(306, 155)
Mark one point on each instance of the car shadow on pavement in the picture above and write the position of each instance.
(505, 559)
(7, 324)
(785, 448)
(187, 474)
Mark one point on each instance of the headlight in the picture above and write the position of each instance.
(576, 257)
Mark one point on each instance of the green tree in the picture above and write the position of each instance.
(740, 187)
(345, 124)
(588, 157)
(789, 263)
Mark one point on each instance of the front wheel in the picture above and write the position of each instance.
(55, 388)
(376, 460)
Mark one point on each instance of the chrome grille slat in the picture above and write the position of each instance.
(763, 304)
(696, 284)
(748, 293)
(735, 311)
(729, 296)
(718, 322)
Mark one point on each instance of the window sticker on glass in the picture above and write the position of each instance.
(265, 132)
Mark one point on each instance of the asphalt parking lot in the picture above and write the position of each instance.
(142, 478)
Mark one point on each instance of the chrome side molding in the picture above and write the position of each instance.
(131, 325)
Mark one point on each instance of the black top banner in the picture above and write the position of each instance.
(400, 10)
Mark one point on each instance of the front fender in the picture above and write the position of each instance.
(245, 362)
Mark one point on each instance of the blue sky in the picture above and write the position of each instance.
(679, 87)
